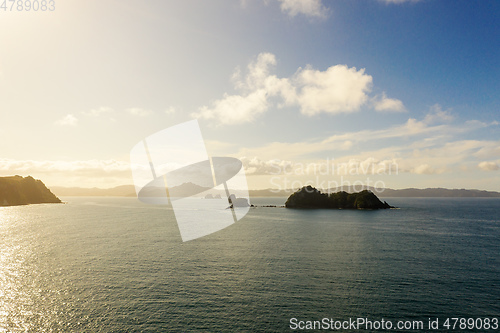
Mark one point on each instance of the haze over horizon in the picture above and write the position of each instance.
(399, 92)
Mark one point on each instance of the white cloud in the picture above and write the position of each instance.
(68, 120)
(426, 169)
(432, 126)
(235, 109)
(313, 8)
(383, 103)
(170, 110)
(256, 87)
(488, 166)
(492, 150)
(437, 114)
(258, 72)
(139, 112)
(338, 89)
(99, 111)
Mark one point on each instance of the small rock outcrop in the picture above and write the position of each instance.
(238, 202)
(19, 190)
(211, 196)
(310, 197)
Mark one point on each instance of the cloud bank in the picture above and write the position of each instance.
(139, 112)
(338, 89)
(422, 147)
(311, 8)
(488, 166)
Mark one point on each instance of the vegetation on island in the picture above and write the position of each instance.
(310, 197)
(17, 190)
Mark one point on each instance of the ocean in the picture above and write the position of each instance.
(100, 264)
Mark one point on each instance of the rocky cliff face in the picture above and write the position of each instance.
(19, 190)
(309, 197)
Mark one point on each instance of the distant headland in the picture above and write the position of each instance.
(17, 190)
(310, 197)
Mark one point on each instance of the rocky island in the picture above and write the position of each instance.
(17, 190)
(310, 197)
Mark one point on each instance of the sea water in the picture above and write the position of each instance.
(117, 265)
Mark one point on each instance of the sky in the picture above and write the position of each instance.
(392, 93)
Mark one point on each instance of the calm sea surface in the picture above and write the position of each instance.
(117, 265)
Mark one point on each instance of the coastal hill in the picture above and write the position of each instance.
(309, 197)
(17, 190)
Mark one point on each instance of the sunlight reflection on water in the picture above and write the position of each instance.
(114, 264)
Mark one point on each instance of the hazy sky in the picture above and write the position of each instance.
(296, 83)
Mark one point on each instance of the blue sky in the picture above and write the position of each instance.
(275, 82)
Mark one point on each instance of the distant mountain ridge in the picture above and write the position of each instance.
(438, 192)
(17, 190)
(119, 191)
(129, 191)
